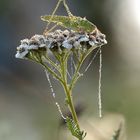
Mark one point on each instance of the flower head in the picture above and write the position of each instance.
(59, 41)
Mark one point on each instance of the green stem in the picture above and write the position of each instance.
(76, 73)
(68, 92)
(53, 64)
(63, 81)
(71, 105)
(53, 73)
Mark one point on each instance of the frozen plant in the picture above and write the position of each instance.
(55, 48)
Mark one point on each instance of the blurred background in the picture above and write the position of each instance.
(27, 110)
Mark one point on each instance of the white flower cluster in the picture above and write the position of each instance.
(36, 42)
(60, 40)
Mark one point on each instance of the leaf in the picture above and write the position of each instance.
(75, 23)
(75, 131)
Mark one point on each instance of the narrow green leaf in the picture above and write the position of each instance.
(75, 23)
(75, 131)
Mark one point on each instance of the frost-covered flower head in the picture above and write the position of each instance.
(59, 42)
(37, 42)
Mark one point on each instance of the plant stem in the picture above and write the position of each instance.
(71, 105)
(68, 92)
(53, 73)
(76, 73)
(52, 63)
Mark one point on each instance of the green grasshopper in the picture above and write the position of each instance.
(70, 22)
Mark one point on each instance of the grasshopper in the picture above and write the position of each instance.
(70, 22)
